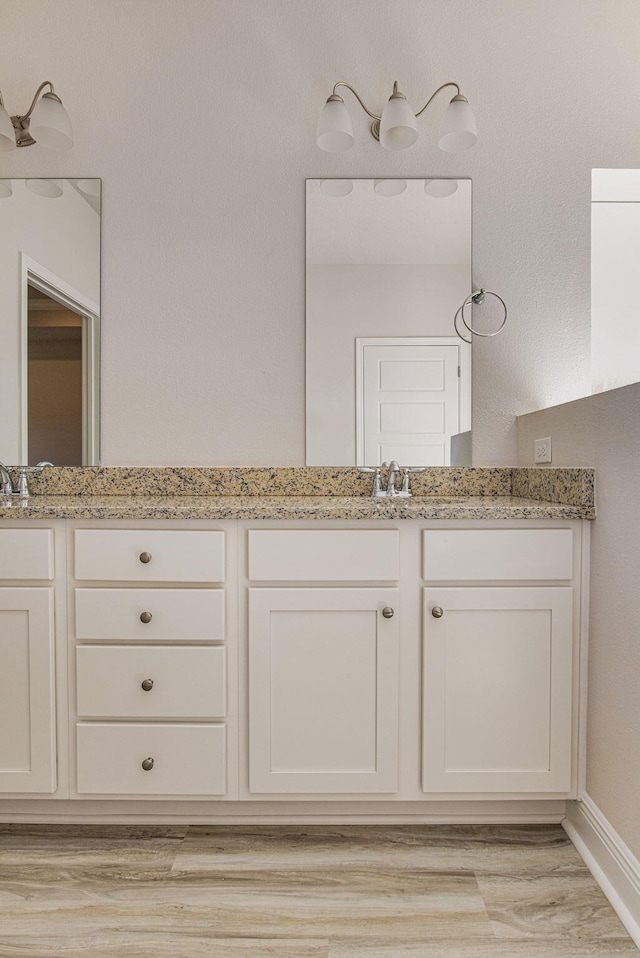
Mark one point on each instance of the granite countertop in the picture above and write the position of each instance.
(287, 507)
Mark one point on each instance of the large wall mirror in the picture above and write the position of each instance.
(50, 321)
(388, 263)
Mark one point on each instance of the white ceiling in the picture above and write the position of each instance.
(364, 227)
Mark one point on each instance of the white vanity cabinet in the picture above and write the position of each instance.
(149, 611)
(284, 668)
(500, 653)
(27, 694)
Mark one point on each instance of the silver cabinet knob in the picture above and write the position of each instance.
(145, 557)
(147, 685)
(145, 617)
(437, 612)
(387, 612)
(147, 764)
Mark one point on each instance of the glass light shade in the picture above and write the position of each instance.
(398, 127)
(389, 187)
(336, 187)
(440, 188)
(458, 131)
(335, 129)
(6, 189)
(7, 133)
(49, 188)
(90, 187)
(50, 125)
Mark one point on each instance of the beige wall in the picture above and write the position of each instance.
(200, 117)
(604, 431)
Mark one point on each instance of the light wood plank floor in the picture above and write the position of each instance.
(301, 892)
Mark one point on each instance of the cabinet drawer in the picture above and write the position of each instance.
(176, 556)
(26, 554)
(187, 759)
(308, 555)
(186, 682)
(178, 614)
(497, 554)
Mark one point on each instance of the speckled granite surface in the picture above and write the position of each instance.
(286, 507)
(299, 481)
(302, 493)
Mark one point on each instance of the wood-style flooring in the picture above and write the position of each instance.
(353, 891)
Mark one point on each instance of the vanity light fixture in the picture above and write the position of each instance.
(50, 188)
(336, 187)
(396, 128)
(440, 188)
(6, 189)
(46, 122)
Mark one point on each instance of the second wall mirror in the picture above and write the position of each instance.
(388, 263)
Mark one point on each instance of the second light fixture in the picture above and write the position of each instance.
(396, 128)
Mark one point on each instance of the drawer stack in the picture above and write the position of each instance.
(150, 662)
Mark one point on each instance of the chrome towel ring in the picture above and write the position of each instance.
(477, 298)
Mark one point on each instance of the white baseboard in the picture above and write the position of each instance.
(613, 865)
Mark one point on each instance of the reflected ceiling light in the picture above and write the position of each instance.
(6, 189)
(396, 128)
(336, 187)
(50, 188)
(90, 187)
(46, 122)
(440, 187)
(389, 187)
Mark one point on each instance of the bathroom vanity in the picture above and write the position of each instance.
(220, 657)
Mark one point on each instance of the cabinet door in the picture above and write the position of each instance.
(497, 690)
(323, 687)
(27, 723)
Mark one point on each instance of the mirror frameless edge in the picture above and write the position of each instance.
(388, 263)
(51, 230)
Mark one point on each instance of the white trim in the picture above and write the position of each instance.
(464, 383)
(38, 276)
(76, 812)
(612, 863)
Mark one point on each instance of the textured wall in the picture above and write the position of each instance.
(200, 118)
(604, 431)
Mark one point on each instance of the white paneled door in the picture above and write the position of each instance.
(324, 691)
(409, 403)
(497, 689)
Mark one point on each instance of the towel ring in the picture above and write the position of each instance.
(477, 298)
(455, 326)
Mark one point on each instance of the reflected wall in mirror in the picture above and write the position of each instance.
(50, 321)
(388, 263)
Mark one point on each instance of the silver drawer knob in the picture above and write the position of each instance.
(387, 612)
(437, 612)
(147, 685)
(145, 617)
(145, 557)
(147, 764)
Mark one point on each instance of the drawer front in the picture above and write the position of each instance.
(497, 554)
(187, 759)
(26, 554)
(175, 556)
(178, 682)
(176, 614)
(309, 555)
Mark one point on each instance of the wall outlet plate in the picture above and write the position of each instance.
(542, 450)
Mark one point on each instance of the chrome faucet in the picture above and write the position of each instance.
(395, 470)
(6, 485)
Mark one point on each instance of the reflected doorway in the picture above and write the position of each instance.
(61, 374)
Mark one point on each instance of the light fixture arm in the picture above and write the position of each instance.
(52, 93)
(374, 116)
(434, 95)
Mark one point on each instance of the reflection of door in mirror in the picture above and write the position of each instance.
(49, 321)
(61, 412)
(388, 264)
(408, 399)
